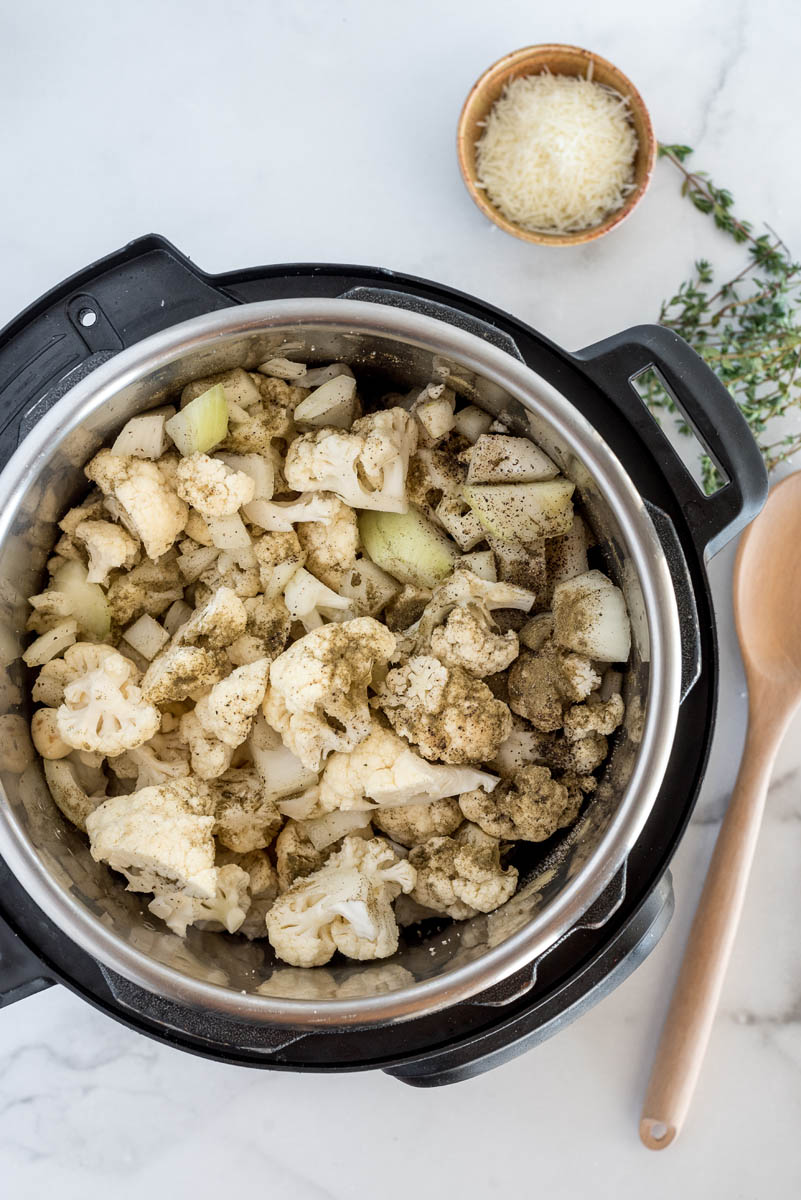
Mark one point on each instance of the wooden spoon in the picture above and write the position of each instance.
(767, 607)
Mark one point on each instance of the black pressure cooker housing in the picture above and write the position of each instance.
(147, 287)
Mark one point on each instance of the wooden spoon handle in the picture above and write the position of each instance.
(706, 956)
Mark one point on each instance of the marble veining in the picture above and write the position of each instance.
(163, 116)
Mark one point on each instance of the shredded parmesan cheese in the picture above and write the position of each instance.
(557, 153)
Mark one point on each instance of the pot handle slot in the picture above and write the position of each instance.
(685, 597)
(132, 293)
(440, 312)
(710, 412)
(21, 972)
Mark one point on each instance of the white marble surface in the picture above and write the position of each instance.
(257, 132)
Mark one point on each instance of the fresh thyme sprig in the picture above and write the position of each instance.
(746, 329)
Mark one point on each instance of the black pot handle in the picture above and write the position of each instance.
(128, 295)
(710, 411)
(21, 972)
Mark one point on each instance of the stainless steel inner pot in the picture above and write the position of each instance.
(242, 980)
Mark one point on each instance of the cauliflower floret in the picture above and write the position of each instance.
(68, 794)
(103, 709)
(51, 681)
(227, 906)
(211, 487)
(443, 711)
(45, 735)
(279, 556)
(266, 633)
(280, 516)
(331, 546)
(50, 608)
(263, 888)
(151, 506)
(582, 756)
(157, 835)
(255, 435)
(383, 770)
(529, 807)
(91, 509)
(228, 709)
(311, 602)
(346, 905)
(407, 608)
(317, 698)
(180, 671)
(246, 817)
(149, 588)
(464, 589)
(109, 548)
(411, 824)
(461, 876)
(524, 745)
(218, 623)
(594, 716)
(365, 467)
(543, 684)
(158, 761)
(209, 756)
(467, 640)
(296, 856)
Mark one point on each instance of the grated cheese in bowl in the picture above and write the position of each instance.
(557, 153)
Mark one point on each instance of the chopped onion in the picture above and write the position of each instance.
(258, 468)
(146, 636)
(52, 643)
(202, 424)
(282, 368)
(319, 375)
(331, 404)
(229, 533)
(144, 437)
(471, 422)
(176, 615)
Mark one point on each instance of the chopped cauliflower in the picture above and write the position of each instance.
(109, 547)
(346, 905)
(103, 709)
(468, 640)
(279, 556)
(461, 876)
(150, 588)
(311, 602)
(246, 816)
(528, 807)
(481, 596)
(331, 546)
(266, 632)
(443, 711)
(226, 906)
(216, 624)
(45, 736)
(296, 856)
(317, 698)
(209, 756)
(141, 487)
(366, 467)
(411, 824)
(281, 516)
(383, 770)
(594, 716)
(263, 888)
(543, 684)
(68, 793)
(211, 487)
(582, 755)
(227, 710)
(155, 762)
(180, 671)
(157, 835)
(524, 745)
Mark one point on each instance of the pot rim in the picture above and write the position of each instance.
(159, 351)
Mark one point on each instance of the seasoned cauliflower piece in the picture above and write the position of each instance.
(461, 876)
(464, 589)
(209, 756)
(46, 738)
(443, 711)
(211, 487)
(279, 555)
(594, 716)
(91, 509)
(365, 467)
(228, 709)
(528, 807)
(158, 761)
(310, 601)
(220, 621)
(407, 607)
(281, 516)
(266, 633)
(227, 906)
(524, 745)
(317, 698)
(140, 486)
(68, 793)
(346, 905)
(331, 547)
(263, 888)
(51, 681)
(583, 755)
(296, 856)
(150, 588)
(246, 817)
(157, 835)
(467, 640)
(383, 770)
(411, 824)
(543, 684)
(109, 547)
(103, 709)
(180, 671)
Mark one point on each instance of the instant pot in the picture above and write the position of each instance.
(458, 998)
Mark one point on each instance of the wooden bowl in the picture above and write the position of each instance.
(559, 60)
